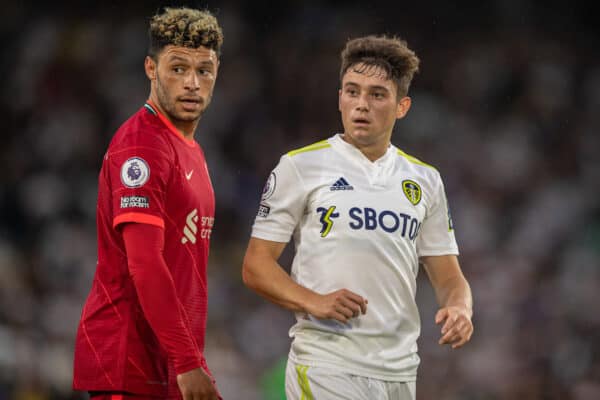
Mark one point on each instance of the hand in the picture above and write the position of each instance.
(340, 305)
(196, 385)
(458, 328)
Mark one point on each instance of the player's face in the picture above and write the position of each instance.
(369, 106)
(183, 80)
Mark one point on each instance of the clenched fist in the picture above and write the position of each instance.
(340, 305)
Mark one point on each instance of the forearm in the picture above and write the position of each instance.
(455, 291)
(454, 297)
(265, 276)
(262, 273)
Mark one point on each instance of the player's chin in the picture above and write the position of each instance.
(189, 116)
(362, 135)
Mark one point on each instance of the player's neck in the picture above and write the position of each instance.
(185, 128)
(373, 151)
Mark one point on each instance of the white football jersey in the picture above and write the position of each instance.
(362, 226)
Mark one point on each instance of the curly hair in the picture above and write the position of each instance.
(184, 27)
(391, 54)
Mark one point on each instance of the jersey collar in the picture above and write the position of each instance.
(348, 150)
(154, 110)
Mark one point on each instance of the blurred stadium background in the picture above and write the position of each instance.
(506, 106)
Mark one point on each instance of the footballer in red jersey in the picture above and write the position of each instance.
(142, 328)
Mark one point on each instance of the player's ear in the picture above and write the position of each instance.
(340, 100)
(217, 68)
(150, 68)
(403, 106)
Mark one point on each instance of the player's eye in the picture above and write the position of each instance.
(378, 95)
(178, 70)
(352, 92)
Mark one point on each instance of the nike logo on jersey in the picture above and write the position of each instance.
(188, 175)
(341, 184)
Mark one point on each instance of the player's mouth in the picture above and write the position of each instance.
(361, 121)
(191, 103)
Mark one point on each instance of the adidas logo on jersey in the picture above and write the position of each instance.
(341, 184)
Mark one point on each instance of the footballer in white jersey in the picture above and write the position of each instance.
(359, 225)
(363, 215)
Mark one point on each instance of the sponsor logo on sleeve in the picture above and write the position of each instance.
(263, 211)
(135, 202)
(269, 188)
(135, 172)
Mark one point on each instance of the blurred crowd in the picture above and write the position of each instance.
(505, 106)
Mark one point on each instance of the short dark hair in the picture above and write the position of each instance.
(391, 54)
(185, 27)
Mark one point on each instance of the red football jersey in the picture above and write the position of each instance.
(150, 174)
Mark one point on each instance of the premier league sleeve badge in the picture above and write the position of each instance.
(135, 172)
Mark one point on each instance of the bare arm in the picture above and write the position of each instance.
(454, 297)
(262, 273)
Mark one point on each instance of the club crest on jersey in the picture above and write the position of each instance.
(269, 188)
(135, 172)
(412, 190)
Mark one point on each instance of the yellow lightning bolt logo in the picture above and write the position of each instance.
(326, 215)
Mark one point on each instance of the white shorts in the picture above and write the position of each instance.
(316, 383)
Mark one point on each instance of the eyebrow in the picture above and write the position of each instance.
(175, 58)
(373, 87)
(378, 87)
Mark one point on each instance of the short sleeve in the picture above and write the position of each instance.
(282, 203)
(436, 236)
(138, 179)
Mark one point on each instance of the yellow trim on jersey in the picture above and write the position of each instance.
(303, 382)
(323, 144)
(414, 160)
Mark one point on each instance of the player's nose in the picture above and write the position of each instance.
(192, 82)
(362, 103)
